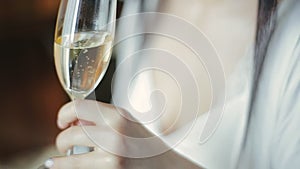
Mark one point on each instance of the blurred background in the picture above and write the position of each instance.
(31, 94)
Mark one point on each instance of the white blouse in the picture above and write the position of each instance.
(273, 140)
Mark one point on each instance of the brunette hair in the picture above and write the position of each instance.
(266, 22)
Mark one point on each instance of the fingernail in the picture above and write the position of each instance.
(49, 163)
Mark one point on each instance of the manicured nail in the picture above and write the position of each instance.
(49, 163)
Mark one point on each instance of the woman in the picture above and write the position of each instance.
(259, 124)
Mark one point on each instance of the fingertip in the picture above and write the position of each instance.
(60, 144)
(65, 116)
(61, 125)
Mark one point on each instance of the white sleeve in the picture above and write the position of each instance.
(286, 142)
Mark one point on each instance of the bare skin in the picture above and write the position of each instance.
(97, 128)
(214, 18)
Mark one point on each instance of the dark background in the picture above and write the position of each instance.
(30, 91)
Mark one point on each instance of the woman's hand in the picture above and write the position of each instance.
(107, 128)
(89, 123)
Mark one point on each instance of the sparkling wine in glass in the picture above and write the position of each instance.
(84, 36)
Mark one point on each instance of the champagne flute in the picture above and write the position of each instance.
(84, 36)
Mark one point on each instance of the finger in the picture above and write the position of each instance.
(74, 135)
(93, 160)
(90, 136)
(86, 110)
(89, 110)
(66, 115)
(81, 122)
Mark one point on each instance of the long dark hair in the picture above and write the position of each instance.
(266, 22)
